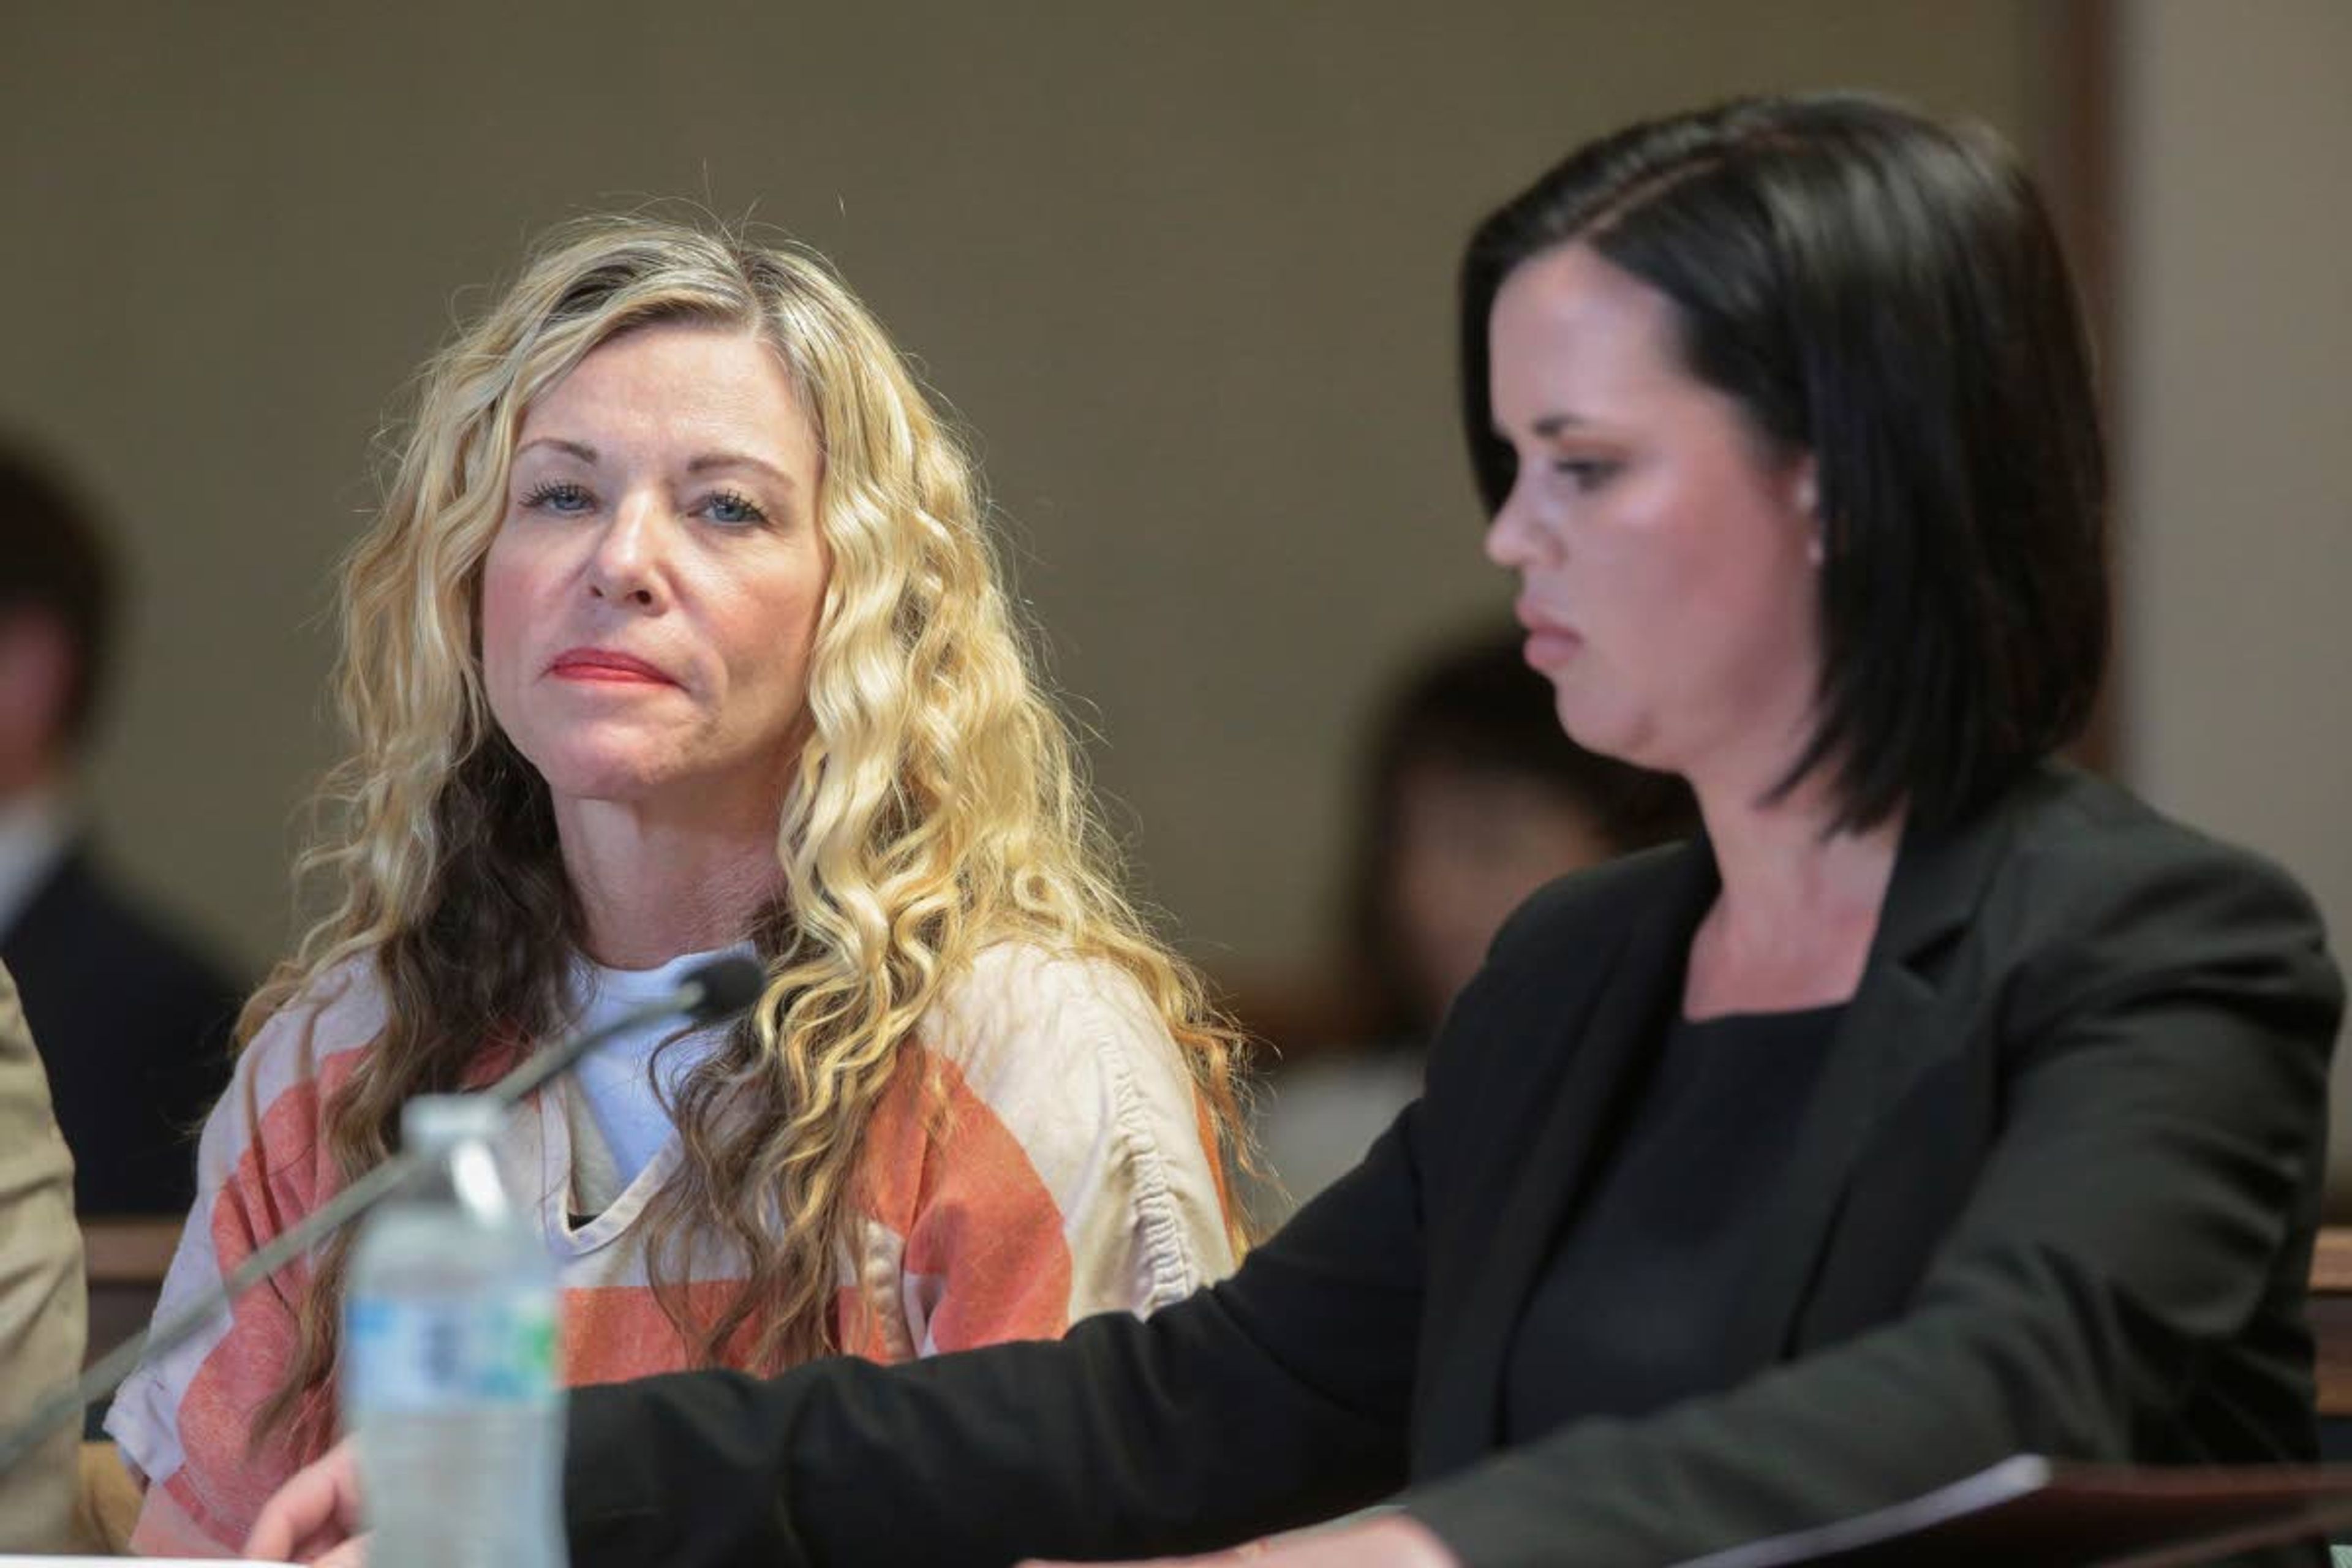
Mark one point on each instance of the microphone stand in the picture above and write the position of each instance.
(709, 993)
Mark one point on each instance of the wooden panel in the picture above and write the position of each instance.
(2331, 1262)
(2073, 154)
(124, 1261)
(2331, 1317)
(128, 1251)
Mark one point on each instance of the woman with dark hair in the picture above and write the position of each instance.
(1938, 1103)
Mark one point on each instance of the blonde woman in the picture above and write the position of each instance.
(679, 633)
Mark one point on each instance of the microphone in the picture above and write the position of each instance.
(707, 993)
(729, 985)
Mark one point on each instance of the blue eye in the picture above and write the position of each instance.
(734, 508)
(559, 496)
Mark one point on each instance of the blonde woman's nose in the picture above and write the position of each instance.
(626, 565)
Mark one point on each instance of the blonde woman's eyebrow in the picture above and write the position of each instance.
(580, 451)
(709, 461)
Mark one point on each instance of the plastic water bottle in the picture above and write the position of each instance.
(450, 1376)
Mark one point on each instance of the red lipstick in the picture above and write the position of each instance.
(604, 664)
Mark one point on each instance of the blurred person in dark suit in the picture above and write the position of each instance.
(131, 1015)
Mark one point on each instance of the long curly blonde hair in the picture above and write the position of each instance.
(937, 806)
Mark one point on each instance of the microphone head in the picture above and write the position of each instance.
(729, 985)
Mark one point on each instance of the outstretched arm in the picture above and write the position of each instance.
(1276, 1399)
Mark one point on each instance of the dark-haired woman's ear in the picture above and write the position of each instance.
(1807, 495)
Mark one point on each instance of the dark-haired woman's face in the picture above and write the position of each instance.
(1666, 560)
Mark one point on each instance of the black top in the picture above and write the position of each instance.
(1634, 1310)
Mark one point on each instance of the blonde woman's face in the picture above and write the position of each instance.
(649, 601)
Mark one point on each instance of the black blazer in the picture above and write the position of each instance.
(2055, 1192)
(134, 1023)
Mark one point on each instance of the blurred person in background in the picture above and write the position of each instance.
(1473, 798)
(132, 1017)
(40, 1290)
(679, 634)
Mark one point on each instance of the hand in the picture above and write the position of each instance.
(1393, 1540)
(314, 1518)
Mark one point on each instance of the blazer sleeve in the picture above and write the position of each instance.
(40, 1289)
(2164, 1059)
(1274, 1398)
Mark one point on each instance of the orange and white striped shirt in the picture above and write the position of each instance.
(1069, 1173)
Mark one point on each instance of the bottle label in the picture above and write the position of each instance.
(407, 1354)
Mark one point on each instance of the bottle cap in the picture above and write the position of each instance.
(432, 1122)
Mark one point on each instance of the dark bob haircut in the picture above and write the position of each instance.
(1886, 293)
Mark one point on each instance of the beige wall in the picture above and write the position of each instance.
(1186, 269)
(2238, 432)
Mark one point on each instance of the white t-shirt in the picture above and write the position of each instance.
(617, 1122)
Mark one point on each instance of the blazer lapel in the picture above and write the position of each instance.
(1607, 1044)
(1889, 1033)
(1897, 1025)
